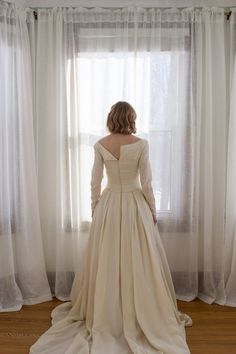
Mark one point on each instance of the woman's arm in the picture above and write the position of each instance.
(96, 178)
(146, 179)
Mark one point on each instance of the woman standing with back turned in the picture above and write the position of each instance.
(123, 301)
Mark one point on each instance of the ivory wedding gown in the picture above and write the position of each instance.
(123, 299)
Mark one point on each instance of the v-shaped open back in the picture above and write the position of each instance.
(121, 146)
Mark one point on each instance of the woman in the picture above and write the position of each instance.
(123, 301)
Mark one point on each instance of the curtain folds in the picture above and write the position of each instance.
(230, 209)
(23, 277)
(175, 67)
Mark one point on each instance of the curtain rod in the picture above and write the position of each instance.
(227, 13)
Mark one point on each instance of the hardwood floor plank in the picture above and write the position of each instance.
(213, 330)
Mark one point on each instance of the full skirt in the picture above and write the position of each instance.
(122, 299)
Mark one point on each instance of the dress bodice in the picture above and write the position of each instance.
(131, 171)
(123, 173)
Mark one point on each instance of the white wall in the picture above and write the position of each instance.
(122, 3)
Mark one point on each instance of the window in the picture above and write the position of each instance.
(150, 81)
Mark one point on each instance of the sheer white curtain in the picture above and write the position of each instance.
(230, 224)
(171, 66)
(23, 277)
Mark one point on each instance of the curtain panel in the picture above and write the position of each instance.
(176, 67)
(23, 278)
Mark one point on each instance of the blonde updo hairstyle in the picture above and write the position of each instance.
(121, 118)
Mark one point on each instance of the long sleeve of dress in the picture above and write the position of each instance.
(146, 178)
(96, 178)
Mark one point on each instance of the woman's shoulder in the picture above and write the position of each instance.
(99, 142)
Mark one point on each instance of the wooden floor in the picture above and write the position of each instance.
(213, 330)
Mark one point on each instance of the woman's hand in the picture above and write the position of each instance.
(154, 219)
(94, 207)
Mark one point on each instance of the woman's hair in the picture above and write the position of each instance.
(121, 118)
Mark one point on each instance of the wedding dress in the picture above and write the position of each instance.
(123, 300)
